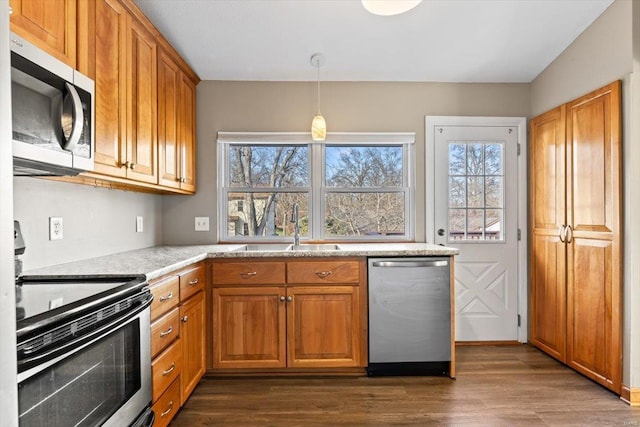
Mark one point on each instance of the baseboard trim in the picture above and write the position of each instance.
(630, 396)
(470, 343)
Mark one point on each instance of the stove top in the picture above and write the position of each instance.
(45, 300)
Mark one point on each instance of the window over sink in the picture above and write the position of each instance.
(350, 187)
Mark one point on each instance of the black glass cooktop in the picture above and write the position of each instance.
(47, 299)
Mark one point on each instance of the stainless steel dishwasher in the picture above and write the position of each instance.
(409, 316)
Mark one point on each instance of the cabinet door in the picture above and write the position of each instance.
(323, 326)
(176, 126)
(141, 103)
(111, 86)
(49, 24)
(168, 110)
(249, 327)
(594, 330)
(186, 133)
(192, 337)
(547, 213)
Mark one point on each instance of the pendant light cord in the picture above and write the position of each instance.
(318, 65)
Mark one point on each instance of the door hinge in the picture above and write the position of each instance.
(518, 149)
(519, 234)
(519, 322)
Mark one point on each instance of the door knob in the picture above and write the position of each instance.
(441, 232)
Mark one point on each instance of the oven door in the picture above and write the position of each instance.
(106, 381)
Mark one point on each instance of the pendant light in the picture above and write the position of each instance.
(318, 125)
(389, 7)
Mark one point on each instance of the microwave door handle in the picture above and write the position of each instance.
(76, 132)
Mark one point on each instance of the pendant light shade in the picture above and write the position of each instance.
(318, 125)
(389, 7)
(318, 128)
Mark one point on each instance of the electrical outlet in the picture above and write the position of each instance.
(139, 224)
(202, 223)
(55, 228)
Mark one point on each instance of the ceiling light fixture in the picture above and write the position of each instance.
(389, 7)
(318, 125)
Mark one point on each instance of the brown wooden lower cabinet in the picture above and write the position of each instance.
(314, 318)
(178, 336)
(192, 338)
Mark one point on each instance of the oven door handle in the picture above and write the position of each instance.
(27, 358)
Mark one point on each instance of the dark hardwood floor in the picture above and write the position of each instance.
(495, 386)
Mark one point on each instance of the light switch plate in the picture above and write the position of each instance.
(202, 223)
(139, 224)
(55, 228)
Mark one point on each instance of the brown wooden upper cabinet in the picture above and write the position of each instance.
(176, 125)
(48, 24)
(121, 55)
(576, 242)
(145, 99)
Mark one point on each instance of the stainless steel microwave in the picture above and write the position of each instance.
(52, 108)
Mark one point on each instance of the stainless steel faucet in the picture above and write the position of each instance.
(295, 218)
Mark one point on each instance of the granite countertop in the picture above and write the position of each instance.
(159, 260)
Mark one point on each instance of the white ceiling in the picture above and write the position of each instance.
(439, 40)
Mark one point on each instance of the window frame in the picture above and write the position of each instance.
(317, 189)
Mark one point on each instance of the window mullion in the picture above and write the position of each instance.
(316, 196)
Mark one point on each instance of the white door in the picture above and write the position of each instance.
(476, 211)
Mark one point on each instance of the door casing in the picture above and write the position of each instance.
(431, 122)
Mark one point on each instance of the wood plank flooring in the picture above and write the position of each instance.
(495, 386)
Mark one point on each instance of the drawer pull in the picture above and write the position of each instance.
(167, 332)
(248, 274)
(169, 409)
(323, 274)
(194, 282)
(167, 297)
(168, 371)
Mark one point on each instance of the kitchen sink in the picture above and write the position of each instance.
(282, 247)
(315, 247)
(265, 247)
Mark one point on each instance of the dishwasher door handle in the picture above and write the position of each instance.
(412, 264)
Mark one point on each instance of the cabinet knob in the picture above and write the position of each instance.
(440, 231)
(132, 165)
(289, 298)
(282, 298)
(185, 319)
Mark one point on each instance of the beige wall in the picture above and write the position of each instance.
(601, 54)
(97, 221)
(347, 107)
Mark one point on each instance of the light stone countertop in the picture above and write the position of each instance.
(157, 261)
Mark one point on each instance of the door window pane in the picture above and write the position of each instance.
(476, 190)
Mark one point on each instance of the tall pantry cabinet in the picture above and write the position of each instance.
(576, 240)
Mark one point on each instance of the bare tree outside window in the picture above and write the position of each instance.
(258, 176)
(356, 213)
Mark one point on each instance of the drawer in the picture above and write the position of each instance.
(167, 406)
(166, 368)
(244, 273)
(164, 331)
(166, 295)
(323, 272)
(191, 282)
